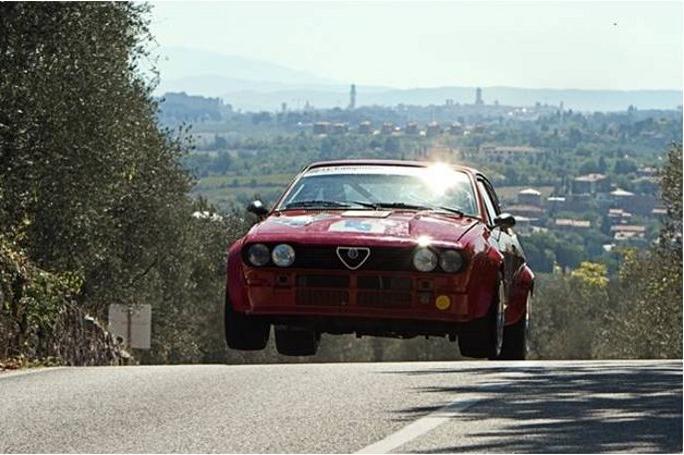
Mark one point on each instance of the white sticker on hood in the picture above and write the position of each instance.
(367, 213)
(297, 221)
(361, 226)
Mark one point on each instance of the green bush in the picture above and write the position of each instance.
(39, 320)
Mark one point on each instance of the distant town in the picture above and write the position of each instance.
(580, 184)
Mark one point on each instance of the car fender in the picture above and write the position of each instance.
(521, 287)
(236, 286)
(482, 285)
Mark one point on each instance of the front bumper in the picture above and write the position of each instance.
(357, 294)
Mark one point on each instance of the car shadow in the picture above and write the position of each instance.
(573, 408)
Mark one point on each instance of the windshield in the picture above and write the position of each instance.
(437, 187)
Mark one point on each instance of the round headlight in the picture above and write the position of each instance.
(258, 254)
(425, 260)
(283, 255)
(450, 261)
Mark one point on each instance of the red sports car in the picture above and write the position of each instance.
(381, 248)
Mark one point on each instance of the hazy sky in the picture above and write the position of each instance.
(602, 45)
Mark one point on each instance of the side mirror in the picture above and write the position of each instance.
(257, 208)
(504, 221)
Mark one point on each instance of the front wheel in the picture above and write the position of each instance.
(514, 341)
(486, 340)
(245, 333)
(515, 338)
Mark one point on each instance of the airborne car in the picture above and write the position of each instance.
(381, 248)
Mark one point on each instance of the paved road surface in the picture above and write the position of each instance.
(400, 407)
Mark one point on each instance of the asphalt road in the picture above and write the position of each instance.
(382, 407)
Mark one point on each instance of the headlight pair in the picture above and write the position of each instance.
(426, 260)
(282, 255)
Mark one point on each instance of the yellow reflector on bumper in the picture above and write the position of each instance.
(443, 302)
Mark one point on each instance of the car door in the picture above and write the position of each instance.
(506, 239)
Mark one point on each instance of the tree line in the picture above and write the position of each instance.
(94, 204)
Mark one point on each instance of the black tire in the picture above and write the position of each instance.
(485, 337)
(296, 342)
(514, 341)
(245, 333)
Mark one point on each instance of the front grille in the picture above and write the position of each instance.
(384, 299)
(322, 297)
(384, 283)
(372, 291)
(325, 257)
(323, 281)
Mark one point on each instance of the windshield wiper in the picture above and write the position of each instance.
(370, 205)
(403, 205)
(321, 203)
(452, 210)
(316, 203)
(329, 204)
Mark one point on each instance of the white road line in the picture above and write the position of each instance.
(6, 374)
(429, 422)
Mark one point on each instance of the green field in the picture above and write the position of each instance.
(229, 191)
(233, 180)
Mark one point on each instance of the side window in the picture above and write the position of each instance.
(492, 194)
(489, 204)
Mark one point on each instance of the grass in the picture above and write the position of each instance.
(226, 198)
(228, 181)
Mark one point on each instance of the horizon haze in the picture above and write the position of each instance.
(256, 55)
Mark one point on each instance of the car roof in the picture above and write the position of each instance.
(406, 163)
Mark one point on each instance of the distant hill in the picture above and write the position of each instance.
(178, 63)
(254, 85)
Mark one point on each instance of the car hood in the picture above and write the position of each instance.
(355, 227)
